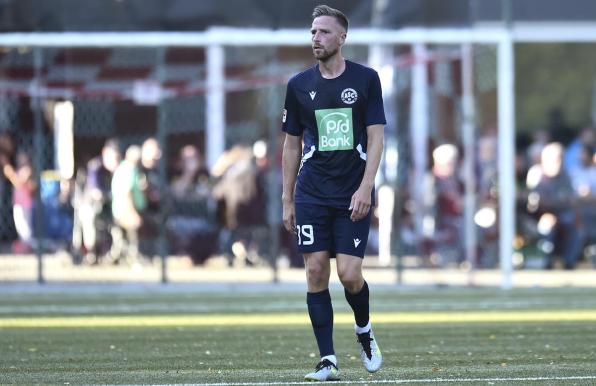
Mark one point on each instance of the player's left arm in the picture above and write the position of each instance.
(361, 199)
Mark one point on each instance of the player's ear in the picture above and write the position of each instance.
(342, 38)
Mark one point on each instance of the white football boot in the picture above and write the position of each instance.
(369, 351)
(325, 371)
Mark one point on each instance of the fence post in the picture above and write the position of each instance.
(162, 139)
(273, 186)
(38, 150)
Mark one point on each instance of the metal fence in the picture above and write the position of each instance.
(227, 207)
(130, 96)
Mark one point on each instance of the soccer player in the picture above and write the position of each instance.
(335, 108)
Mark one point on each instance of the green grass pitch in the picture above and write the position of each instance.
(261, 336)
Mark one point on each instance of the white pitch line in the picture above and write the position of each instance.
(398, 381)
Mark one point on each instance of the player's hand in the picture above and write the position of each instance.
(360, 204)
(289, 216)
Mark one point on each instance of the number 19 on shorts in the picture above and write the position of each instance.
(306, 234)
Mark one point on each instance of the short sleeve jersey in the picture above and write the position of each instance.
(332, 115)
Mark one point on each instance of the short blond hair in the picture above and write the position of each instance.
(325, 10)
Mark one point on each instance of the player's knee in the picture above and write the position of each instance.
(351, 279)
(316, 274)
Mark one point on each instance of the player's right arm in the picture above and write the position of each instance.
(290, 163)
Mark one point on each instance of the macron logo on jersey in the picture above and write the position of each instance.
(312, 95)
(356, 243)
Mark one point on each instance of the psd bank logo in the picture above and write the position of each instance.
(336, 131)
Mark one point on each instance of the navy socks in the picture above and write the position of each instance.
(320, 311)
(360, 305)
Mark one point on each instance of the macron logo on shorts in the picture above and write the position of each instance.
(356, 243)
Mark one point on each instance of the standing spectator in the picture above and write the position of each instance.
(93, 215)
(128, 199)
(583, 177)
(486, 200)
(23, 198)
(150, 157)
(149, 231)
(237, 193)
(190, 227)
(7, 231)
(554, 201)
(584, 183)
(573, 161)
(444, 244)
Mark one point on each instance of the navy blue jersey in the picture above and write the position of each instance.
(332, 115)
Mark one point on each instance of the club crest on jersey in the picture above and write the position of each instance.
(349, 96)
(336, 130)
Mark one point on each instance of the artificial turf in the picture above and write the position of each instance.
(428, 336)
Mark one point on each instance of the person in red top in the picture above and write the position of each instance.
(23, 198)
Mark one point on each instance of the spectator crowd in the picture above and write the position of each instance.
(555, 204)
(123, 201)
(128, 205)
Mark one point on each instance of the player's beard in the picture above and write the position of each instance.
(324, 55)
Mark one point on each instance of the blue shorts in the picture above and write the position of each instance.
(324, 228)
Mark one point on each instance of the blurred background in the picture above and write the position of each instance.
(141, 140)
